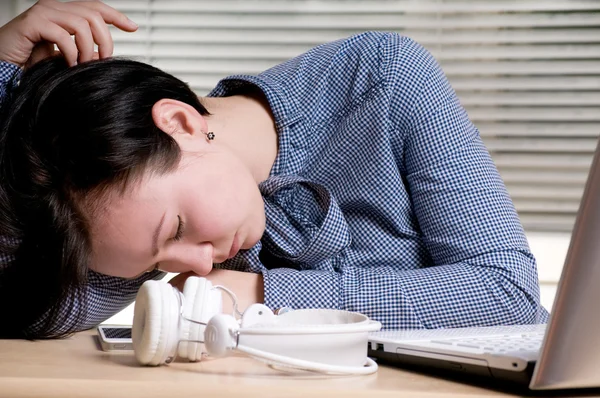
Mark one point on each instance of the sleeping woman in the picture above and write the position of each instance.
(348, 177)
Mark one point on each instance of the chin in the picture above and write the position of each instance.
(252, 240)
(249, 244)
(255, 234)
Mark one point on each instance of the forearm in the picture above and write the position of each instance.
(247, 286)
(475, 292)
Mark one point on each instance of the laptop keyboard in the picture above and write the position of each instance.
(499, 344)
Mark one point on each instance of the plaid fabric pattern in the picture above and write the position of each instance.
(8, 73)
(107, 295)
(382, 199)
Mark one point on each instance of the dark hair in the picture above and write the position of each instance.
(67, 134)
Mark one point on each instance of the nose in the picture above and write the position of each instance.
(191, 258)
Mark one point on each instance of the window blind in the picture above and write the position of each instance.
(527, 71)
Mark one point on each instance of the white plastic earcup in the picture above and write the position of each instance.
(201, 303)
(221, 335)
(155, 331)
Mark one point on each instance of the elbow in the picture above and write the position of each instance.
(526, 309)
(521, 302)
(518, 292)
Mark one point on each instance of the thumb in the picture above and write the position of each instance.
(41, 51)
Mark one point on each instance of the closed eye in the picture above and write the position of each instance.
(180, 229)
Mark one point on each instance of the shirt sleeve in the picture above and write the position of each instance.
(8, 73)
(107, 295)
(483, 273)
(104, 296)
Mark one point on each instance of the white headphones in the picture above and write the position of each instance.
(168, 323)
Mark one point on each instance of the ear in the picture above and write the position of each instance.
(178, 119)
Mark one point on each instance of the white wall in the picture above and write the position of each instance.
(7, 11)
(550, 250)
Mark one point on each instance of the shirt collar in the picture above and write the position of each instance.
(284, 112)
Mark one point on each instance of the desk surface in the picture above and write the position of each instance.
(76, 367)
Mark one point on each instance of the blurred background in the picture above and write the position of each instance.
(527, 71)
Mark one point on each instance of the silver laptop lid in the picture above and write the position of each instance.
(570, 355)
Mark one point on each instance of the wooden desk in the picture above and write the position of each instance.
(76, 367)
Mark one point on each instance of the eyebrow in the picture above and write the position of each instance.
(156, 235)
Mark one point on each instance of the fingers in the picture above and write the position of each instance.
(62, 27)
(98, 15)
(87, 21)
(41, 51)
(57, 34)
(92, 30)
(110, 15)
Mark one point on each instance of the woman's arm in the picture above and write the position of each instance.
(104, 297)
(483, 273)
(107, 295)
(31, 36)
(247, 287)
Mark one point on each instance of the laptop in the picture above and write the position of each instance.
(563, 354)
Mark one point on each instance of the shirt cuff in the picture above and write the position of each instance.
(286, 287)
(8, 70)
(8, 73)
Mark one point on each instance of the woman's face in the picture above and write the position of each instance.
(185, 220)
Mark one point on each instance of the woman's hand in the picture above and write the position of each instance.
(247, 287)
(31, 36)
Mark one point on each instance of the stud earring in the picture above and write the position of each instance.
(210, 136)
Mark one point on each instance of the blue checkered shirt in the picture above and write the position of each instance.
(383, 198)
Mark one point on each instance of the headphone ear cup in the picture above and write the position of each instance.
(202, 302)
(155, 323)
